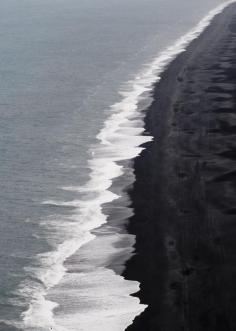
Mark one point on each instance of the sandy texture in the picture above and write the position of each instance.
(184, 197)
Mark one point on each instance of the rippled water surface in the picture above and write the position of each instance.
(73, 77)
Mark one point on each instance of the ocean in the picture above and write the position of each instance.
(76, 78)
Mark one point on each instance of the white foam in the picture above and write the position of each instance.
(102, 307)
(120, 139)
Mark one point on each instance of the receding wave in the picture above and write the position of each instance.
(86, 294)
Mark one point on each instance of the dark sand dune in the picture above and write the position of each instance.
(184, 197)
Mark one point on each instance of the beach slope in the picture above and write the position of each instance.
(184, 197)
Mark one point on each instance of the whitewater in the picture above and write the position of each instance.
(75, 286)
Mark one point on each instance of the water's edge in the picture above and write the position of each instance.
(120, 141)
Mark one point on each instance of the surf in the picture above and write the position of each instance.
(121, 139)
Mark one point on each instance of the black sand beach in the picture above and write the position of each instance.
(184, 197)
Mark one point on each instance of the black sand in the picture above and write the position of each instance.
(184, 197)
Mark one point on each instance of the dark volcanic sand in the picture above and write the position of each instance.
(184, 197)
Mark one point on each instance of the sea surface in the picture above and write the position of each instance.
(75, 77)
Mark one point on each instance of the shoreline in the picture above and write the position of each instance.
(183, 193)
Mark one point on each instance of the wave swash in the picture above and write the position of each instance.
(84, 294)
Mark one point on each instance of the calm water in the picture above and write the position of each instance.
(63, 64)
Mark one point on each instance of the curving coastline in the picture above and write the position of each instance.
(89, 229)
(184, 194)
(71, 271)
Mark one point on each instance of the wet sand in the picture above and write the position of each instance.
(184, 197)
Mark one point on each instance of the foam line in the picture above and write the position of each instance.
(120, 139)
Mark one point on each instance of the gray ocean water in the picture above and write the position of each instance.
(62, 65)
